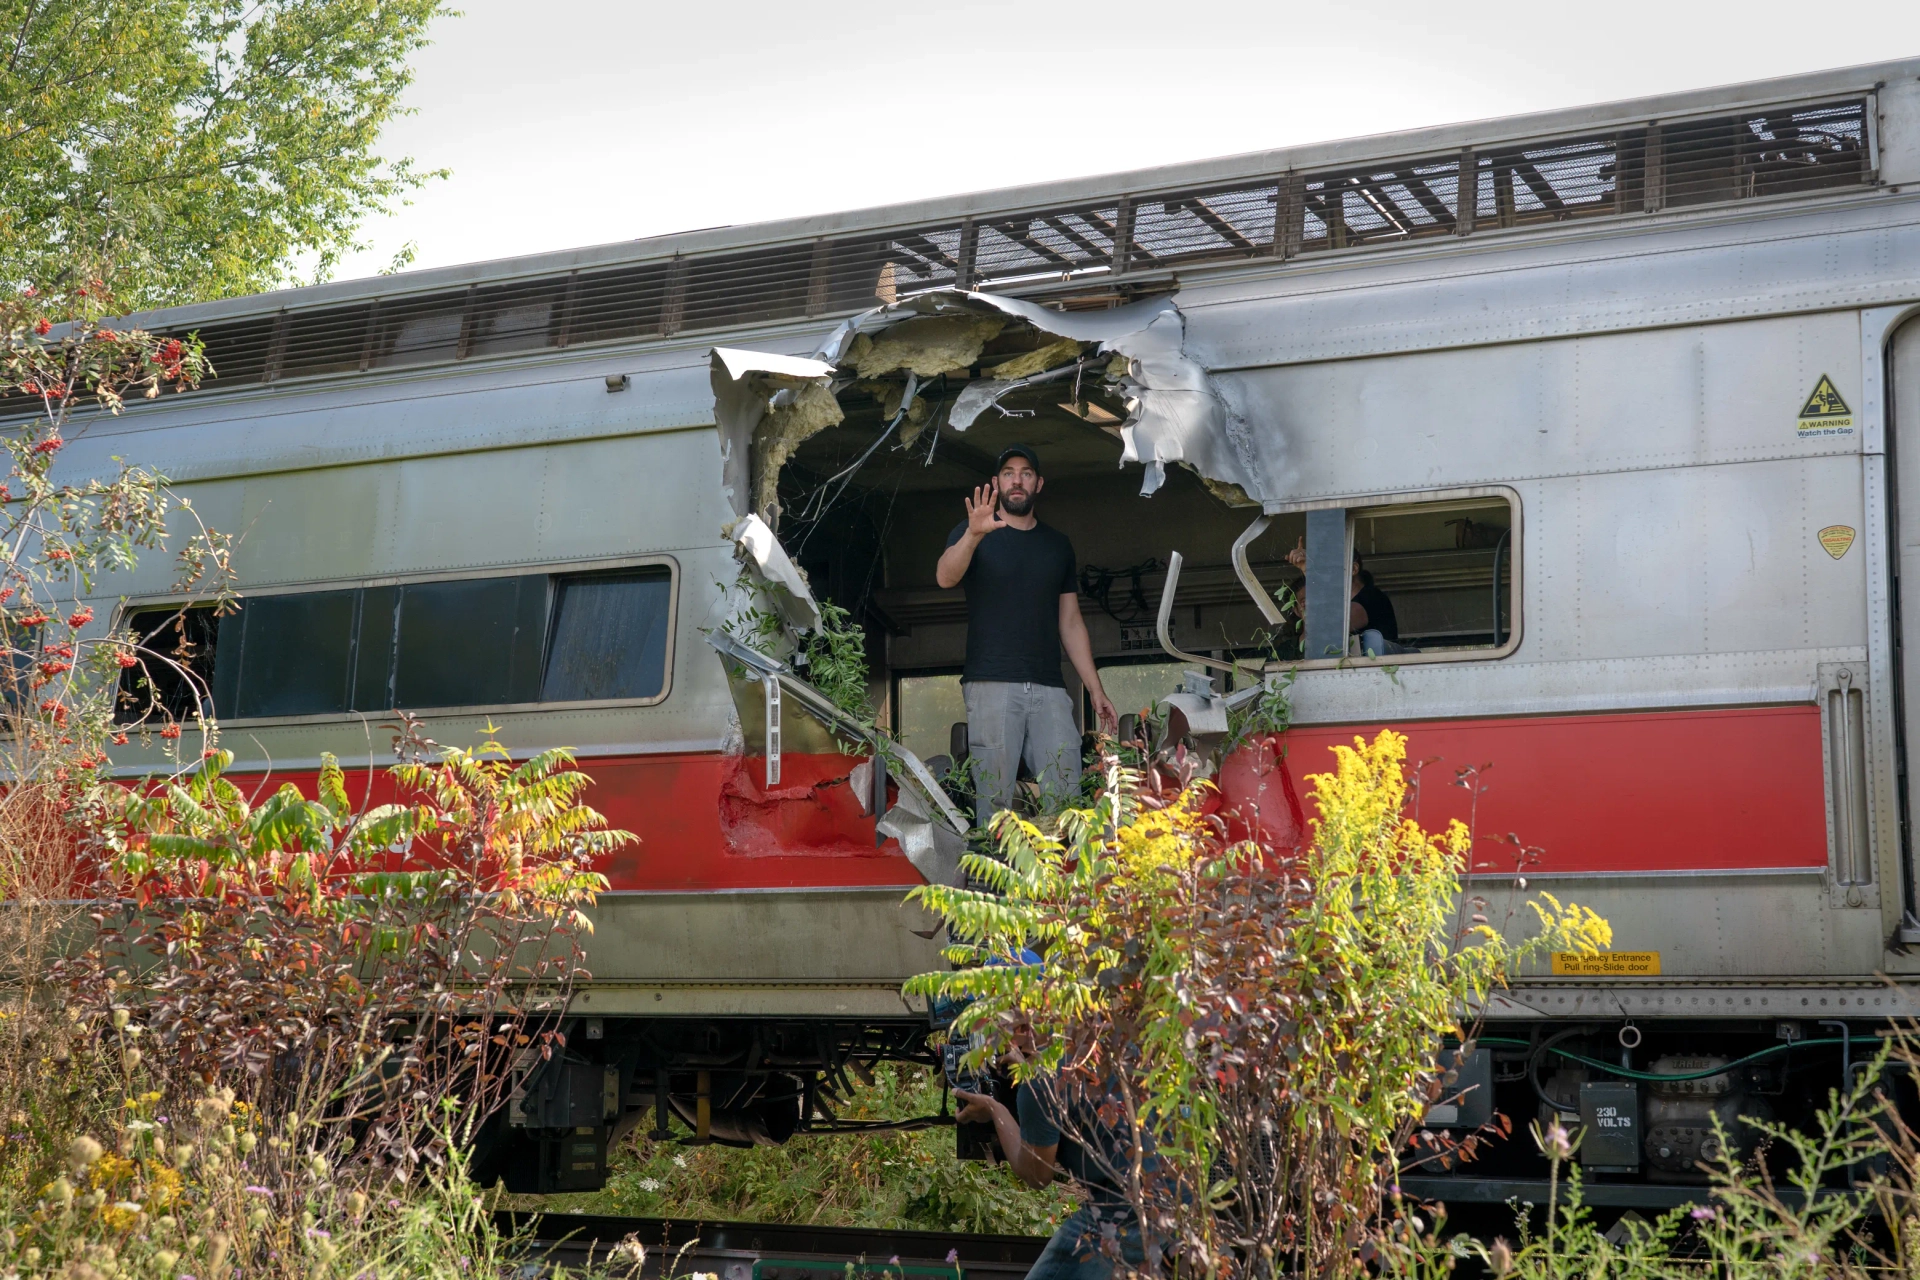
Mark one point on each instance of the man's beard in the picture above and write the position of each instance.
(1016, 504)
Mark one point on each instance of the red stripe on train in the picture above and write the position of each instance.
(1709, 790)
(1668, 790)
(706, 822)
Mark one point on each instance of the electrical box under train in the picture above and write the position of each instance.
(1619, 406)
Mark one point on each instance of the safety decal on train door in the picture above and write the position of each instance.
(1825, 413)
(1606, 964)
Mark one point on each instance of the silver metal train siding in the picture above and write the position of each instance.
(1621, 433)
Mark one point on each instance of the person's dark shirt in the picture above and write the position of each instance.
(1013, 585)
(1093, 1154)
(1379, 611)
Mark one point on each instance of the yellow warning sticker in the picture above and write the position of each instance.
(1825, 413)
(1607, 964)
(1835, 539)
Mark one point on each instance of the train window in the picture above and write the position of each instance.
(609, 636)
(295, 654)
(1434, 578)
(925, 709)
(469, 643)
(175, 675)
(373, 648)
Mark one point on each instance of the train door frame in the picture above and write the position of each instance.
(1889, 345)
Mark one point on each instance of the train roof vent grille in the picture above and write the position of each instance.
(1634, 169)
(329, 340)
(1630, 170)
(626, 302)
(1764, 153)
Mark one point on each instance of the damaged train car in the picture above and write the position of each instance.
(1611, 404)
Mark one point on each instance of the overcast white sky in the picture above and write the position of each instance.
(574, 122)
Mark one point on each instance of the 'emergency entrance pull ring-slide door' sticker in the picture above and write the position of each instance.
(1606, 964)
(1825, 413)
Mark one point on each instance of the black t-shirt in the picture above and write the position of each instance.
(1095, 1155)
(1379, 611)
(1013, 587)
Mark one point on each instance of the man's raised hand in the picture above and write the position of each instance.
(983, 511)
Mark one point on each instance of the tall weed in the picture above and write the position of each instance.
(1254, 1033)
(109, 1167)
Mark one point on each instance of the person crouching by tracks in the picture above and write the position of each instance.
(1051, 1137)
(1023, 607)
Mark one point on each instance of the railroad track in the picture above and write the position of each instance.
(760, 1251)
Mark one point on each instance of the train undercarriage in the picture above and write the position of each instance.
(731, 1082)
(1653, 1106)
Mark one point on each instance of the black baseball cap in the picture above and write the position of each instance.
(1016, 451)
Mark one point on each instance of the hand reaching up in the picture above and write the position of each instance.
(983, 511)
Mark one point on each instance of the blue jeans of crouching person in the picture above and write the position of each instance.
(1091, 1153)
(1078, 1250)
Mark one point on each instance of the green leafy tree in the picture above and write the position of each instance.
(202, 146)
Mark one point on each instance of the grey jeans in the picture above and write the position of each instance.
(1008, 722)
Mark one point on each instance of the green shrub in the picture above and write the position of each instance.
(1262, 1028)
(892, 1180)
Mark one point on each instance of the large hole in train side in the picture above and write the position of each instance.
(867, 511)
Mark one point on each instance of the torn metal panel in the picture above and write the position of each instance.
(1105, 327)
(747, 387)
(931, 845)
(924, 820)
(786, 586)
(975, 399)
(1175, 411)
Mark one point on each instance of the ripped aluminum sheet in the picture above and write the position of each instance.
(1175, 411)
(933, 847)
(924, 820)
(787, 590)
(746, 386)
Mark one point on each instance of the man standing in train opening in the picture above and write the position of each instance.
(1023, 607)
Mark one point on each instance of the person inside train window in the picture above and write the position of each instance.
(1369, 609)
(1373, 620)
(1052, 1136)
(1023, 607)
